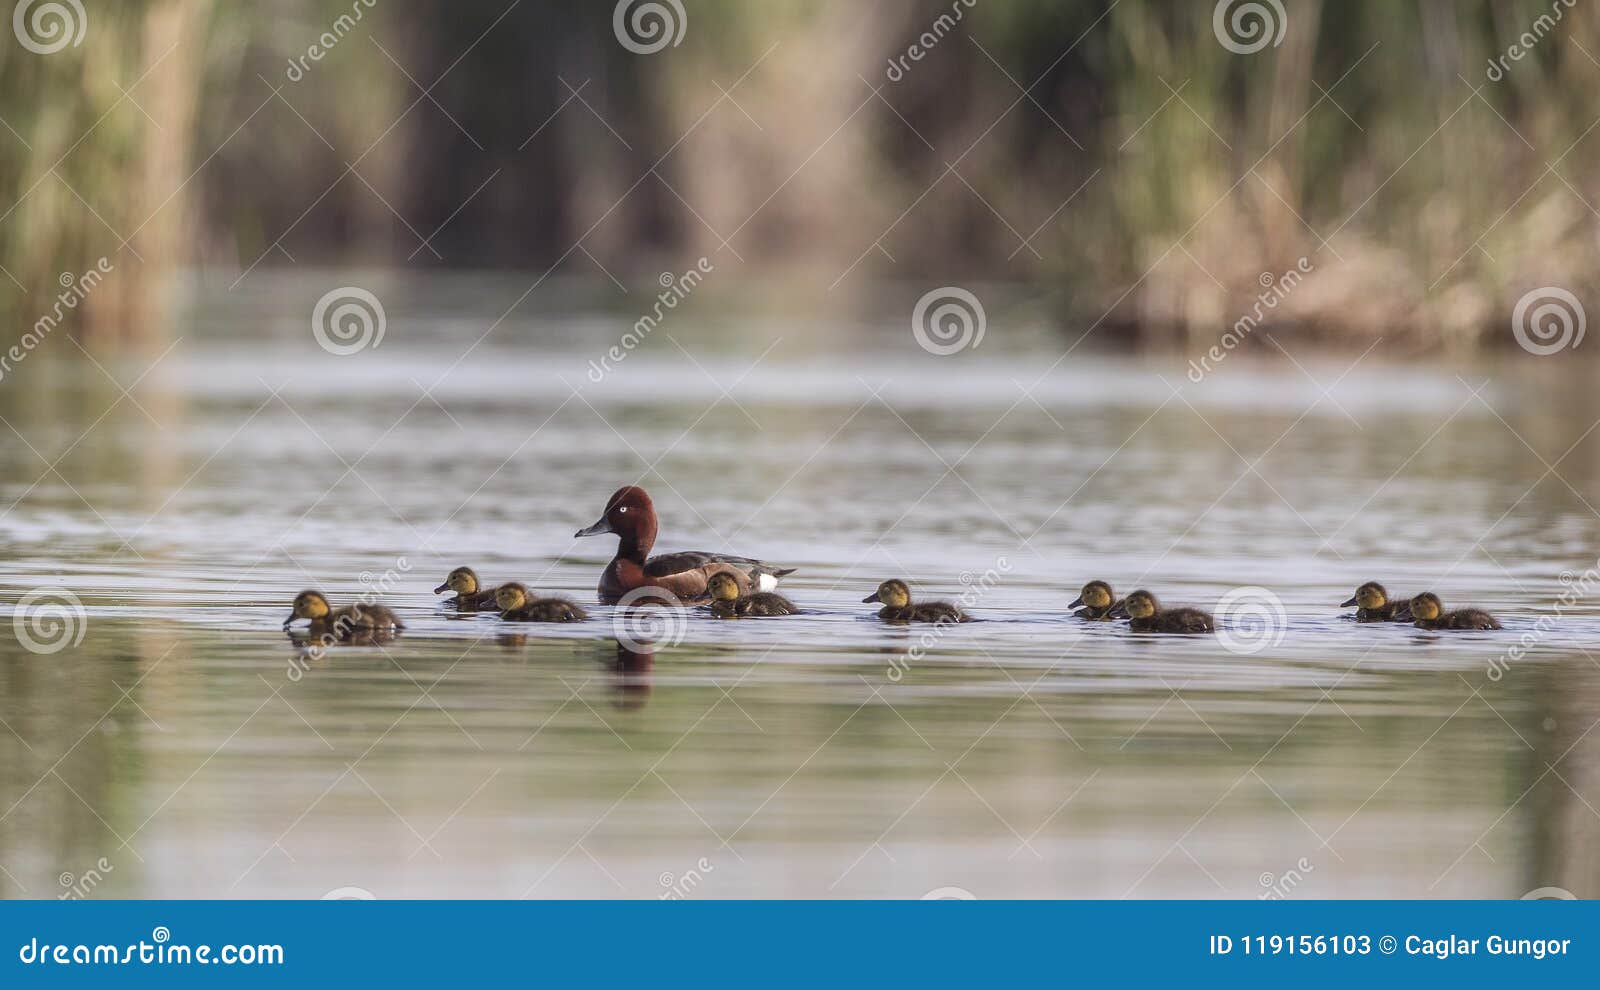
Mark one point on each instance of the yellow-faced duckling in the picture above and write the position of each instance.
(897, 606)
(1095, 601)
(1373, 604)
(1145, 614)
(342, 623)
(727, 603)
(1427, 612)
(517, 604)
(471, 596)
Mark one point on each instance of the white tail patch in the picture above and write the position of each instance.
(766, 582)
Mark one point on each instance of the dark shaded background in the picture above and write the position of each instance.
(1115, 161)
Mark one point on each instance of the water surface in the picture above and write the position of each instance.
(187, 748)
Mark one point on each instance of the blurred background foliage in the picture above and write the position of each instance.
(1141, 185)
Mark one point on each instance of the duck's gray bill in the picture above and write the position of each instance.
(1349, 603)
(602, 526)
(871, 598)
(1076, 602)
(442, 588)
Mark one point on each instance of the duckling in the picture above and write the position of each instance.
(1096, 599)
(342, 623)
(1145, 614)
(471, 596)
(897, 607)
(1427, 612)
(1373, 604)
(727, 603)
(517, 604)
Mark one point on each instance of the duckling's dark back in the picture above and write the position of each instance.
(547, 610)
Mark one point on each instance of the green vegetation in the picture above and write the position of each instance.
(1428, 173)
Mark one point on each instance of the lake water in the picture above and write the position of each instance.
(186, 747)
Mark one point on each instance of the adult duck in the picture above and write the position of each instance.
(632, 517)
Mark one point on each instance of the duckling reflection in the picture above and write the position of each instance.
(1145, 614)
(471, 595)
(727, 603)
(633, 672)
(898, 607)
(1426, 611)
(1095, 602)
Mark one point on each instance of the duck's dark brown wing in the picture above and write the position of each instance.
(1471, 618)
(1186, 620)
(937, 612)
(766, 603)
(664, 564)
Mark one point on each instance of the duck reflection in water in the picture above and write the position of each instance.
(632, 672)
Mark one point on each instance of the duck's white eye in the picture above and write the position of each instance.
(622, 509)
